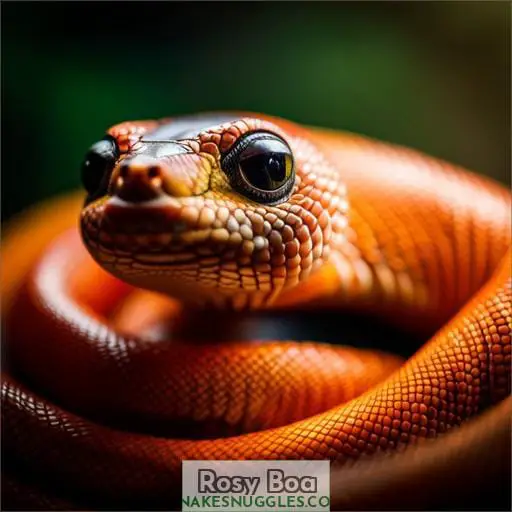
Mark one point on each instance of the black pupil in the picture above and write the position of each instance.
(263, 164)
(99, 159)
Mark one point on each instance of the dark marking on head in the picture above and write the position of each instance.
(188, 127)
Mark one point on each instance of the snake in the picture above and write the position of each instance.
(127, 311)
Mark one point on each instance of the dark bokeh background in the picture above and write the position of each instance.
(431, 75)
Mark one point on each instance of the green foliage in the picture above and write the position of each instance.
(422, 75)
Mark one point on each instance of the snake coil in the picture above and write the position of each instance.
(108, 385)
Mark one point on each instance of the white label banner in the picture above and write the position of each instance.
(238, 486)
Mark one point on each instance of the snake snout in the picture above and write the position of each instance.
(138, 180)
(143, 177)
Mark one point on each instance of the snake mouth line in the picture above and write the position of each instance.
(156, 227)
(154, 245)
(162, 216)
(156, 233)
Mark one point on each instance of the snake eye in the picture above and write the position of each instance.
(98, 163)
(260, 166)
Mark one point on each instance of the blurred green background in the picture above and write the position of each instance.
(431, 75)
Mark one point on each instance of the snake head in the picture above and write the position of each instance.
(223, 209)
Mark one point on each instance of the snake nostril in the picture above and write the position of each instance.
(154, 172)
(123, 172)
(138, 181)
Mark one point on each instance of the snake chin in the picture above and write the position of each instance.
(161, 246)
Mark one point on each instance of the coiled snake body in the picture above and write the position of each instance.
(107, 388)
